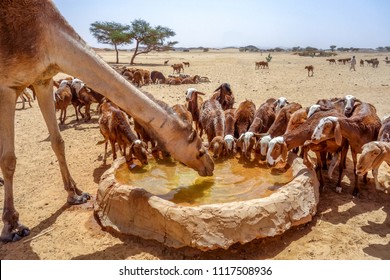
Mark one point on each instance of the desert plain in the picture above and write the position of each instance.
(343, 228)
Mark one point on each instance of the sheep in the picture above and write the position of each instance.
(229, 138)
(244, 115)
(212, 120)
(373, 154)
(310, 68)
(63, 97)
(224, 95)
(115, 128)
(194, 103)
(384, 132)
(362, 127)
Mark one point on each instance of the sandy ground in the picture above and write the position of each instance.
(344, 228)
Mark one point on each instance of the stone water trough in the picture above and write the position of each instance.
(191, 216)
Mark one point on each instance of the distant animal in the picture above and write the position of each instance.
(186, 64)
(361, 63)
(166, 62)
(310, 68)
(157, 77)
(177, 68)
(224, 95)
(261, 64)
(331, 61)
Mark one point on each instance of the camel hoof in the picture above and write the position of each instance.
(79, 199)
(22, 232)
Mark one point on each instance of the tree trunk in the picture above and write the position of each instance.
(117, 53)
(135, 53)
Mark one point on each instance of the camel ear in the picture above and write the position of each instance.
(191, 137)
(337, 134)
(284, 152)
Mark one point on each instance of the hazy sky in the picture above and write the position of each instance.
(268, 23)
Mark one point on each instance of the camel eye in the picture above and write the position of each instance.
(201, 153)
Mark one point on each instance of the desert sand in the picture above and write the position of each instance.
(344, 227)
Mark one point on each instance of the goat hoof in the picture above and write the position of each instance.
(338, 189)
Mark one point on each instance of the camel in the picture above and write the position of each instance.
(36, 43)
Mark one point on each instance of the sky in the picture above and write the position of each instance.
(262, 23)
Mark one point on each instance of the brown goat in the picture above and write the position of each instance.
(362, 127)
(157, 77)
(245, 115)
(384, 132)
(373, 154)
(63, 97)
(194, 103)
(310, 68)
(224, 95)
(212, 121)
(230, 140)
(177, 67)
(115, 128)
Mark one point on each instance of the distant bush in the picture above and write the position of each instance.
(268, 58)
(206, 49)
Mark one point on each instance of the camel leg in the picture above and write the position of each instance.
(45, 100)
(12, 229)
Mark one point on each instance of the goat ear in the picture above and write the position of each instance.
(191, 137)
(201, 93)
(284, 152)
(337, 134)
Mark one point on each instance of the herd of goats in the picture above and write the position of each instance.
(267, 132)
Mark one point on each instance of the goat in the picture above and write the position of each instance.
(280, 103)
(261, 64)
(244, 115)
(331, 61)
(138, 79)
(278, 147)
(194, 103)
(183, 113)
(373, 154)
(229, 138)
(212, 121)
(157, 77)
(177, 67)
(115, 128)
(186, 64)
(25, 95)
(384, 132)
(310, 68)
(224, 95)
(361, 63)
(362, 127)
(190, 80)
(63, 97)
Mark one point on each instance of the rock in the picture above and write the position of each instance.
(134, 211)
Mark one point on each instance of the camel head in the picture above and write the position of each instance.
(192, 153)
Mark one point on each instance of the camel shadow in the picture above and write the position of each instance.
(24, 244)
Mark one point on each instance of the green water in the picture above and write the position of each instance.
(232, 181)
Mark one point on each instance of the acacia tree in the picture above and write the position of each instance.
(332, 47)
(112, 33)
(148, 38)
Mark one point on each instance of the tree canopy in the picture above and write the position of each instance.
(112, 33)
(146, 37)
